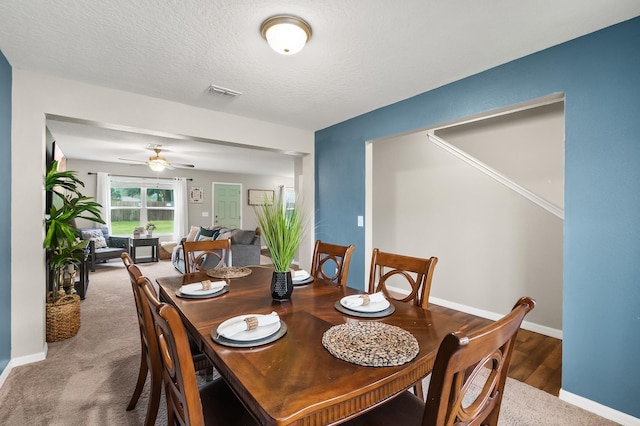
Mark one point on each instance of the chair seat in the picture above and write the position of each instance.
(405, 409)
(221, 407)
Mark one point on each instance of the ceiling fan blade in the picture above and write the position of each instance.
(135, 161)
(182, 165)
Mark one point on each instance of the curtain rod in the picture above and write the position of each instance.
(139, 177)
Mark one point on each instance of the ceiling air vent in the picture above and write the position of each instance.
(222, 91)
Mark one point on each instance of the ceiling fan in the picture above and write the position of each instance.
(158, 163)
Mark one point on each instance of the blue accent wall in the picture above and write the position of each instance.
(5, 212)
(600, 77)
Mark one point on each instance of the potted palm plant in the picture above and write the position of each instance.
(281, 227)
(64, 249)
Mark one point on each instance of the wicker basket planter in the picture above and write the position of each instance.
(63, 317)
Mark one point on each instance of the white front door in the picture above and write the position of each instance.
(226, 205)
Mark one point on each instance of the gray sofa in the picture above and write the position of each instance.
(245, 249)
(103, 250)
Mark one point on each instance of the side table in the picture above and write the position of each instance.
(81, 283)
(144, 242)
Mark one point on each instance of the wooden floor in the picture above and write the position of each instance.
(537, 359)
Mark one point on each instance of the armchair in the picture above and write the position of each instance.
(103, 246)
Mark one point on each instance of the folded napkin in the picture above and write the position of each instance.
(249, 323)
(364, 299)
(205, 286)
(300, 275)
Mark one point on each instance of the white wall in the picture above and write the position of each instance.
(493, 246)
(35, 95)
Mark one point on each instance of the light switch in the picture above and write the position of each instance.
(360, 221)
(205, 214)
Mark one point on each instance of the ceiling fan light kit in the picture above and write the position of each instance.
(158, 163)
(286, 34)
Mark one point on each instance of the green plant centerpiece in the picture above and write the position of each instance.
(65, 250)
(281, 227)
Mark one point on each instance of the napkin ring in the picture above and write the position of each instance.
(365, 299)
(252, 323)
(206, 284)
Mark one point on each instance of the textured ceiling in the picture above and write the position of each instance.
(363, 54)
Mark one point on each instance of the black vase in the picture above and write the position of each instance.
(281, 285)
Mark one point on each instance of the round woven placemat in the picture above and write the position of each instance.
(372, 344)
(229, 272)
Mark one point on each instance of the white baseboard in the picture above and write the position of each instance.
(599, 409)
(537, 328)
(28, 359)
(5, 373)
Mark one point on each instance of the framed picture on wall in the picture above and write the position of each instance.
(196, 195)
(257, 197)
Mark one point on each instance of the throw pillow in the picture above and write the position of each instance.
(192, 233)
(204, 238)
(206, 232)
(97, 236)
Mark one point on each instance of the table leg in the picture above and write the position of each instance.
(82, 284)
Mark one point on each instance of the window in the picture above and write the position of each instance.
(137, 202)
(289, 198)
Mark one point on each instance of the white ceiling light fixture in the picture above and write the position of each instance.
(286, 34)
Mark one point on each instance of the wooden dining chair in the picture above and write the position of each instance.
(126, 259)
(331, 262)
(208, 254)
(212, 403)
(396, 269)
(150, 359)
(467, 381)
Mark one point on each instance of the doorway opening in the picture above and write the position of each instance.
(493, 244)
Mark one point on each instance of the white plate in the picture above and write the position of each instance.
(255, 334)
(371, 307)
(195, 289)
(302, 277)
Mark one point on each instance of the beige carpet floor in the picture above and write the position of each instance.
(88, 379)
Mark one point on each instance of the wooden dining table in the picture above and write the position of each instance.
(295, 380)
